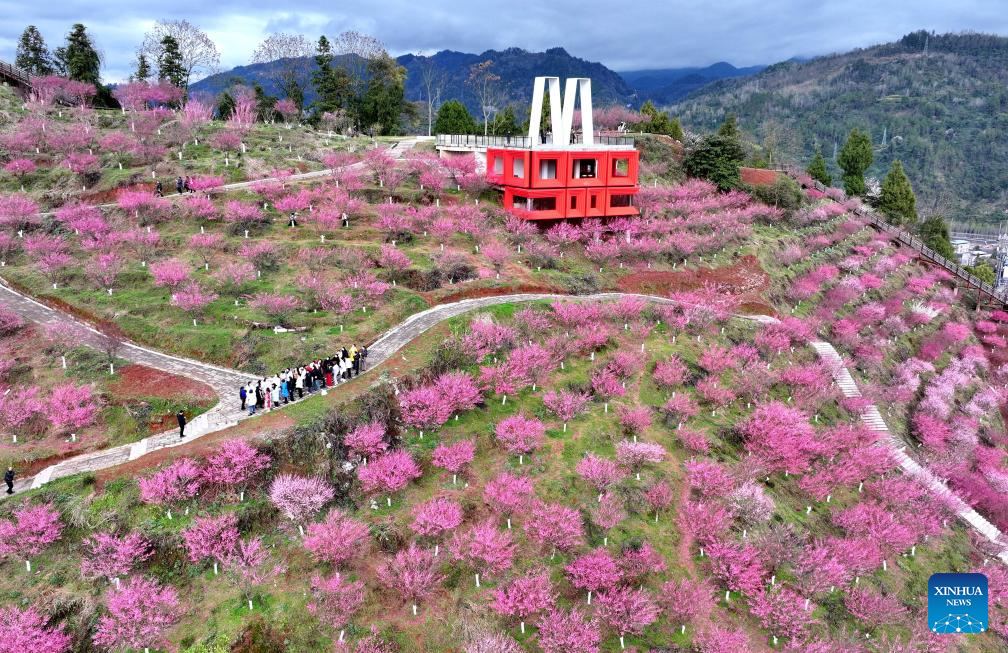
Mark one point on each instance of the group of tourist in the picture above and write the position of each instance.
(292, 383)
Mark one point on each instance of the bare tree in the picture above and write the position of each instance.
(290, 59)
(355, 52)
(199, 53)
(434, 83)
(484, 84)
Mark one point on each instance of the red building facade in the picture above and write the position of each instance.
(574, 182)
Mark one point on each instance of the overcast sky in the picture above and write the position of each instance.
(623, 36)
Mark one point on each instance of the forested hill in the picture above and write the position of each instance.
(516, 68)
(939, 103)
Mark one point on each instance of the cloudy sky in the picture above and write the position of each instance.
(622, 36)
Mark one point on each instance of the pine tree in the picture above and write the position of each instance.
(817, 169)
(506, 122)
(333, 86)
(454, 118)
(143, 68)
(675, 130)
(384, 100)
(855, 157)
(170, 66)
(934, 232)
(32, 54)
(897, 201)
(78, 59)
(729, 127)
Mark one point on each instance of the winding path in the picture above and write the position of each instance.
(226, 381)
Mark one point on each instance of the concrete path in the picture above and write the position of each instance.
(226, 382)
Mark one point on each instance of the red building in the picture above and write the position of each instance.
(574, 182)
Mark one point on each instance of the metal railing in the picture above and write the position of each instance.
(16, 74)
(953, 267)
(523, 142)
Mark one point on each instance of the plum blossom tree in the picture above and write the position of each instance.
(485, 548)
(454, 457)
(234, 276)
(171, 273)
(565, 405)
(412, 573)
(234, 464)
(782, 611)
(32, 530)
(555, 526)
(568, 632)
(599, 472)
(211, 537)
(658, 497)
(436, 517)
(638, 560)
(520, 435)
(335, 601)
(248, 566)
(192, 299)
(278, 307)
(337, 540)
(686, 601)
(139, 613)
(28, 630)
(367, 440)
(627, 610)
(525, 597)
(507, 494)
(722, 640)
(111, 556)
(594, 571)
(780, 438)
(298, 497)
(634, 455)
(388, 474)
(175, 484)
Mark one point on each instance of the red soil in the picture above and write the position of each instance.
(138, 381)
(745, 279)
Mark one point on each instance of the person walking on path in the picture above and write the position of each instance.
(159, 189)
(251, 397)
(242, 394)
(179, 185)
(9, 480)
(181, 424)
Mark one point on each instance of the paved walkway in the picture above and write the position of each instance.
(226, 381)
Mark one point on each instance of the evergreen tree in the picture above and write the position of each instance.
(935, 233)
(265, 104)
(454, 118)
(78, 59)
(32, 54)
(854, 158)
(142, 73)
(675, 130)
(817, 169)
(170, 66)
(333, 86)
(897, 201)
(729, 127)
(717, 158)
(225, 105)
(506, 122)
(657, 121)
(384, 100)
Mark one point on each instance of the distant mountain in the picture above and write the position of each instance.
(515, 66)
(939, 103)
(667, 85)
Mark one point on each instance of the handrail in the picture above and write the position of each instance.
(523, 142)
(15, 73)
(955, 268)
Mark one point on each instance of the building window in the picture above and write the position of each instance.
(519, 202)
(573, 201)
(518, 169)
(621, 201)
(621, 167)
(544, 204)
(594, 201)
(585, 168)
(498, 165)
(548, 169)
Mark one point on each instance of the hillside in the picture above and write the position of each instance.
(937, 102)
(666, 85)
(515, 66)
